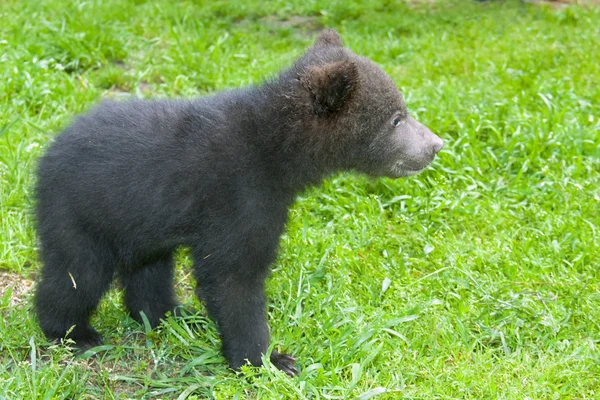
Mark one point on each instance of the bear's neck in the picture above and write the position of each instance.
(296, 159)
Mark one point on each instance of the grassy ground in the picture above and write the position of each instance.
(478, 279)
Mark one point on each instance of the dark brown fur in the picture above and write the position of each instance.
(128, 183)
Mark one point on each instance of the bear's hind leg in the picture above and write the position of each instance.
(149, 289)
(73, 279)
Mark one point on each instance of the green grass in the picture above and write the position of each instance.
(477, 279)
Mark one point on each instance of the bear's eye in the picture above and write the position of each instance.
(396, 121)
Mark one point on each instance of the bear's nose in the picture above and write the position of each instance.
(437, 144)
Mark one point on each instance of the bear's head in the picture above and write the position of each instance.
(354, 113)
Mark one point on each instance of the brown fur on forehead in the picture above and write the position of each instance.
(373, 99)
(380, 90)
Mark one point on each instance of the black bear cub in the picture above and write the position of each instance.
(128, 183)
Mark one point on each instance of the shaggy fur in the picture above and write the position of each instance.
(128, 183)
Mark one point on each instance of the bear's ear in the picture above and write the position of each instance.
(329, 37)
(330, 85)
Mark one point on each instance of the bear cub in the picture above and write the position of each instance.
(128, 183)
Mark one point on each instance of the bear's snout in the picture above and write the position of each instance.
(438, 144)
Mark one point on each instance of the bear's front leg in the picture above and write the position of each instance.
(235, 299)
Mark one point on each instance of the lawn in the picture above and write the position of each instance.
(479, 278)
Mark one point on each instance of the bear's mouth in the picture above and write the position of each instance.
(401, 169)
